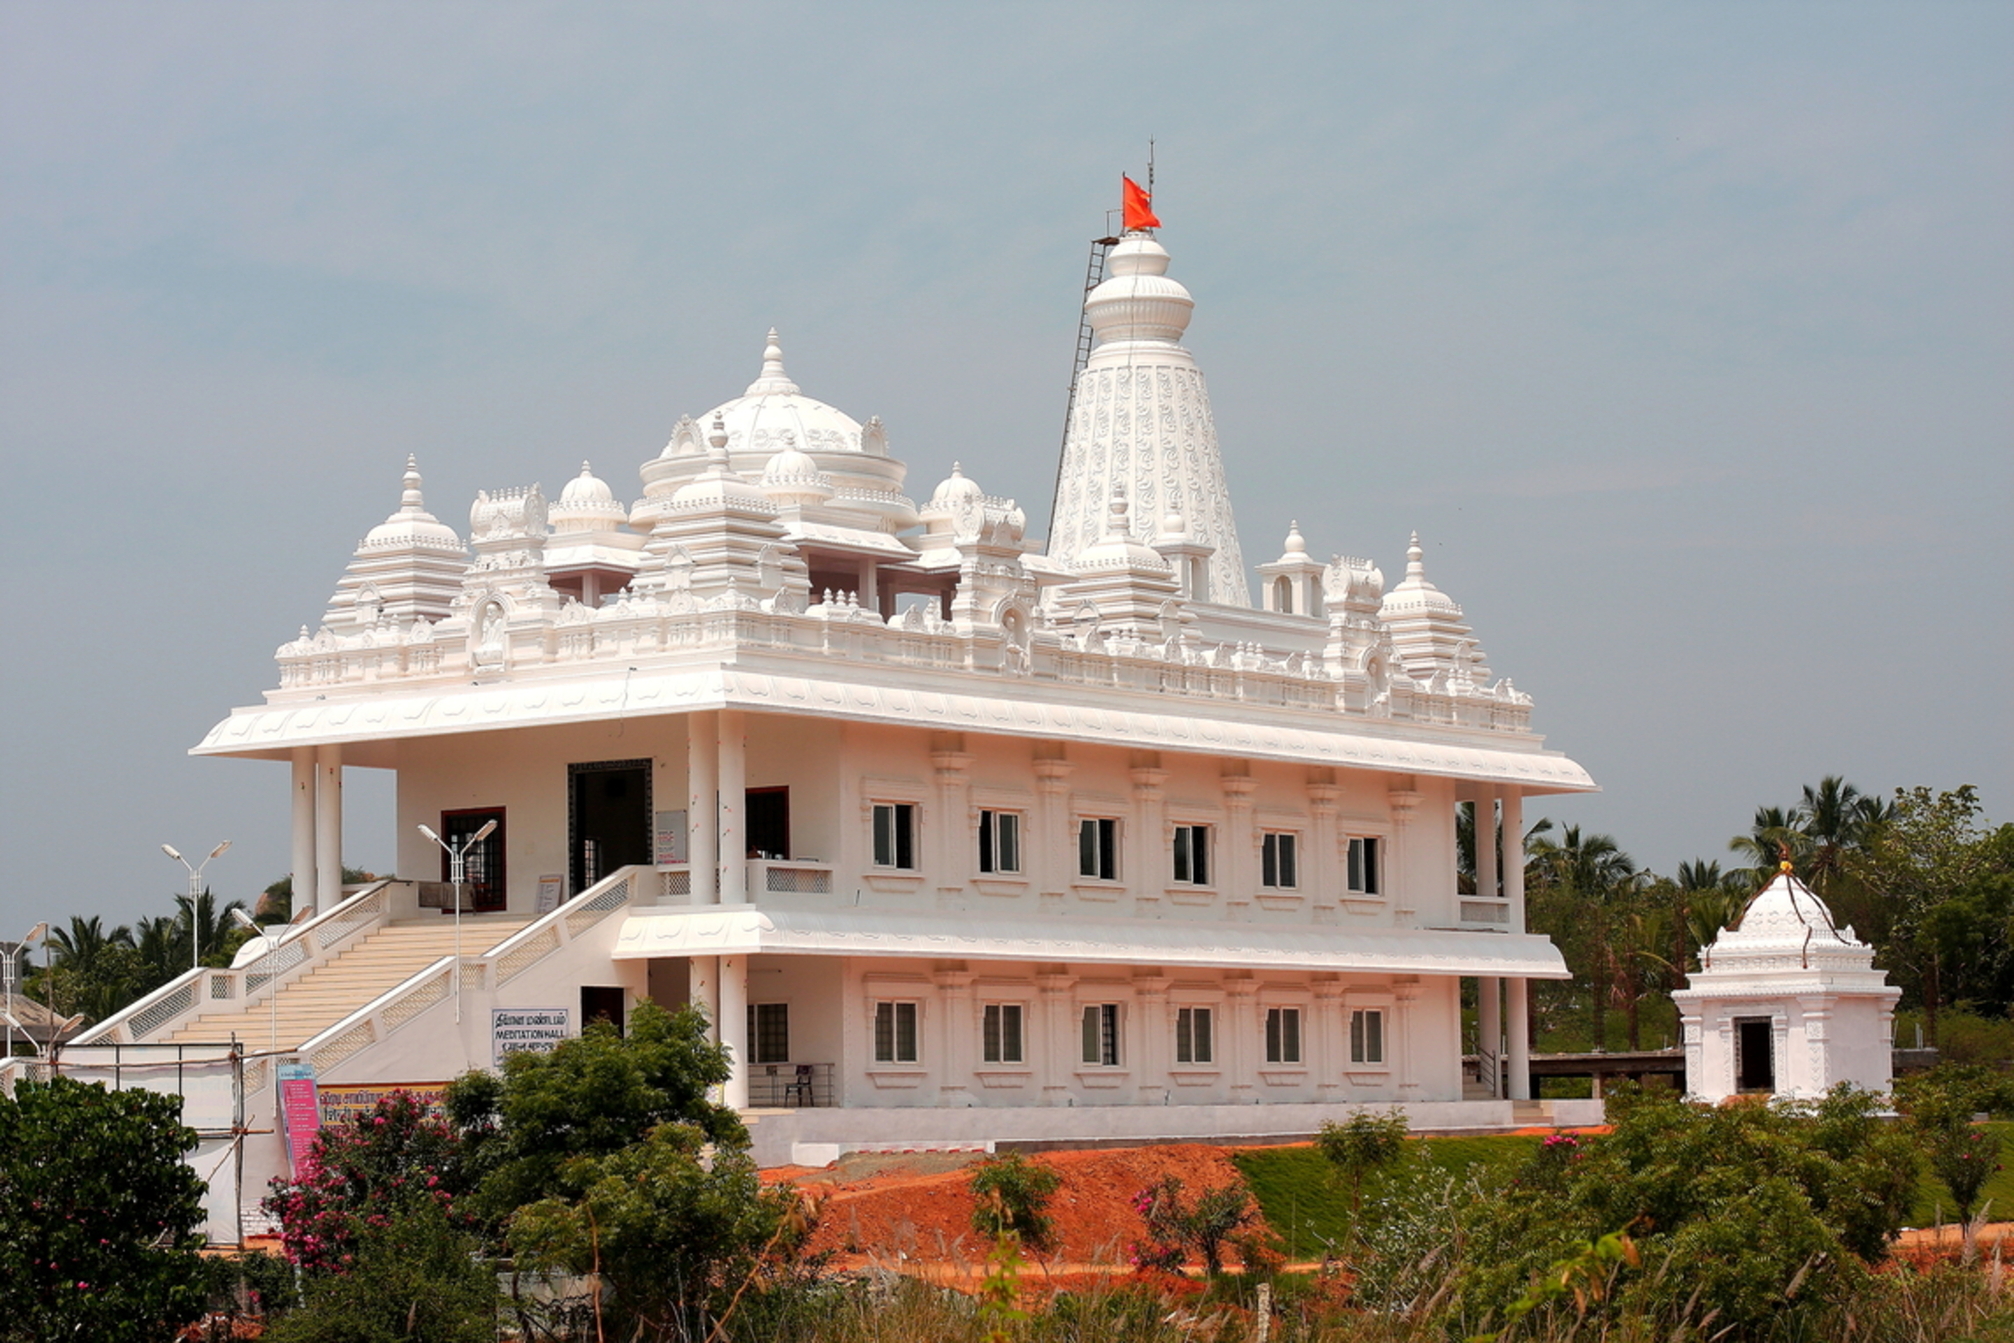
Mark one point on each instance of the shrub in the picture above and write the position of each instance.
(98, 1214)
(1363, 1144)
(415, 1277)
(1011, 1196)
(1177, 1225)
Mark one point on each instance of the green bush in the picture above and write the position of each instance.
(1011, 1197)
(98, 1215)
(416, 1278)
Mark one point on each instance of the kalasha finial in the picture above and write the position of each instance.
(411, 500)
(1783, 863)
(772, 356)
(717, 440)
(1416, 566)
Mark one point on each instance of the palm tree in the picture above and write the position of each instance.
(211, 924)
(1582, 875)
(1838, 819)
(85, 955)
(1773, 833)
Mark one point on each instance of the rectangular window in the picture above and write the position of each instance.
(1367, 1036)
(1367, 866)
(1098, 848)
(1101, 1034)
(895, 1032)
(895, 834)
(1277, 862)
(1283, 1035)
(1192, 1035)
(1192, 855)
(999, 841)
(1002, 1033)
(769, 1032)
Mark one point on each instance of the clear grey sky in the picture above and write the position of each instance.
(1681, 332)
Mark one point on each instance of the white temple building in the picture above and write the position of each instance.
(957, 839)
(1785, 1003)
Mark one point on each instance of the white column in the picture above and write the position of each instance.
(1236, 861)
(1486, 843)
(955, 1032)
(703, 991)
(328, 827)
(1332, 1039)
(1405, 900)
(1400, 1047)
(1154, 1038)
(1519, 1011)
(702, 824)
(1060, 1026)
(1489, 1024)
(1320, 876)
(1513, 859)
(1055, 849)
(304, 828)
(1244, 1038)
(951, 849)
(734, 1027)
(733, 807)
(1147, 867)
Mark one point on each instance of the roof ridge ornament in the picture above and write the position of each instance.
(773, 378)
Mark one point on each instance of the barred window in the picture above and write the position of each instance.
(1278, 868)
(1001, 1032)
(1192, 1035)
(1283, 1035)
(895, 1032)
(1367, 1036)
(769, 1032)
(1101, 1034)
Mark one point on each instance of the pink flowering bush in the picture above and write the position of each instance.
(360, 1176)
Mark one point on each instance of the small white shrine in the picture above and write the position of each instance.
(1786, 1003)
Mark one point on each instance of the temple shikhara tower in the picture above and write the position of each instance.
(958, 835)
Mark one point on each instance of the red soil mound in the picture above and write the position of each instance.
(894, 1215)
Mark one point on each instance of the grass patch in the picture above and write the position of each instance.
(1308, 1205)
(1933, 1201)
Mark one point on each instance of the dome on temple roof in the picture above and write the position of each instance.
(720, 485)
(587, 488)
(1414, 592)
(587, 504)
(773, 410)
(793, 477)
(412, 525)
(955, 487)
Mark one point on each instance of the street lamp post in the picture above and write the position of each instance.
(245, 920)
(195, 891)
(457, 868)
(13, 957)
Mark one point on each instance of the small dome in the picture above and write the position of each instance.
(957, 486)
(720, 485)
(792, 477)
(759, 419)
(587, 504)
(1297, 546)
(1414, 592)
(412, 525)
(587, 488)
(1118, 547)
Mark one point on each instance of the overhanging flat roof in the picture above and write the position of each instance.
(1057, 713)
(748, 930)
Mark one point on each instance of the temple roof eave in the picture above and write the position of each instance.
(379, 722)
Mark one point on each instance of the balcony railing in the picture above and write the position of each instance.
(789, 1086)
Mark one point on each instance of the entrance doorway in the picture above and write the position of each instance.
(608, 819)
(769, 823)
(483, 889)
(1754, 1054)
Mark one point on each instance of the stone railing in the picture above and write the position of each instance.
(676, 626)
(182, 1000)
(377, 1019)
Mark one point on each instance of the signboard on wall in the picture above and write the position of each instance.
(300, 1114)
(342, 1103)
(670, 833)
(520, 1030)
(548, 893)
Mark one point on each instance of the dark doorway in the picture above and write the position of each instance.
(483, 888)
(608, 819)
(769, 823)
(599, 1002)
(1754, 1060)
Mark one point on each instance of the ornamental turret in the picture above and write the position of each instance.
(409, 567)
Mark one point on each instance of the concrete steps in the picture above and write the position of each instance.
(360, 974)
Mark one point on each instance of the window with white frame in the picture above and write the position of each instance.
(1101, 1035)
(769, 1032)
(1000, 841)
(1283, 1035)
(1367, 1035)
(1000, 1033)
(1279, 861)
(1367, 866)
(895, 835)
(1098, 848)
(895, 1032)
(1192, 855)
(1193, 1042)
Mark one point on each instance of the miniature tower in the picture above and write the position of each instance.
(1786, 1004)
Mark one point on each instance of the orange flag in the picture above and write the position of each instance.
(1139, 207)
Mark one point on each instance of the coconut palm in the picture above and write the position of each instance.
(1773, 834)
(211, 924)
(1579, 879)
(1837, 819)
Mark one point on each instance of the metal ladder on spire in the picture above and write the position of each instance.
(1094, 275)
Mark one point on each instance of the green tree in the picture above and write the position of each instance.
(1361, 1146)
(1940, 1106)
(1176, 1223)
(1577, 883)
(670, 1225)
(98, 1215)
(591, 1097)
